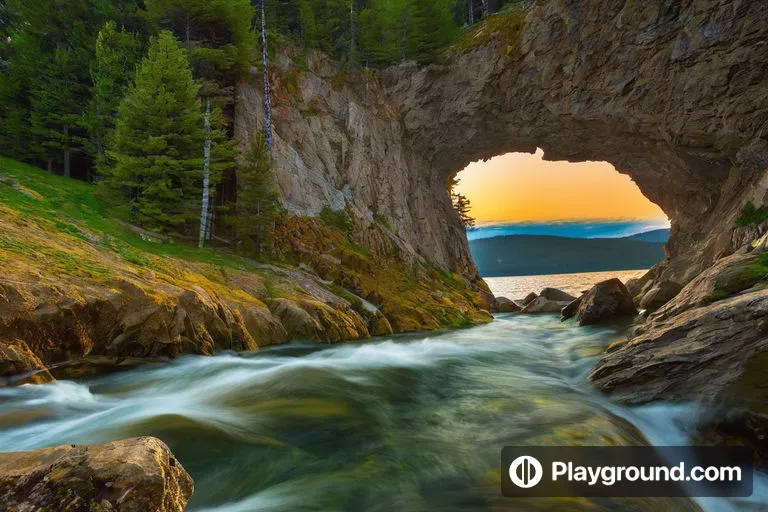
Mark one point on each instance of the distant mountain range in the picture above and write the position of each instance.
(525, 255)
(570, 229)
(659, 236)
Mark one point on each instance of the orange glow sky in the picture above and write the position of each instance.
(519, 187)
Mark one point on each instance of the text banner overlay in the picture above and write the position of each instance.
(626, 471)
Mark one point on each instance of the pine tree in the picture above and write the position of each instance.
(157, 145)
(254, 214)
(57, 105)
(112, 68)
(461, 204)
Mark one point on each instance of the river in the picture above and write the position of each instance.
(411, 423)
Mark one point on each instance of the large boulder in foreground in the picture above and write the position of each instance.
(132, 475)
(708, 345)
(605, 301)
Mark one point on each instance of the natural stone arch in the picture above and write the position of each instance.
(672, 94)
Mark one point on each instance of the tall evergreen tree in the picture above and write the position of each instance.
(157, 145)
(254, 214)
(117, 54)
(57, 106)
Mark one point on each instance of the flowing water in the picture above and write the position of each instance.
(412, 423)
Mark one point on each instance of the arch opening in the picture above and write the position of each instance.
(556, 223)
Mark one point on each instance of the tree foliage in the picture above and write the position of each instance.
(157, 141)
(462, 205)
(253, 216)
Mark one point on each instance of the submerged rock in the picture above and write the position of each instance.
(508, 306)
(556, 295)
(571, 309)
(139, 474)
(542, 305)
(605, 301)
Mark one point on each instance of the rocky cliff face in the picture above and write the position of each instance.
(670, 93)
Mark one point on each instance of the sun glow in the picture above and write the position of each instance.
(520, 187)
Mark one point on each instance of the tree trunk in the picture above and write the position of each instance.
(206, 173)
(267, 100)
(485, 9)
(67, 162)
(471, 12)
(352, 49)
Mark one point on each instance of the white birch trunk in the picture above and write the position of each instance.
(206, 173)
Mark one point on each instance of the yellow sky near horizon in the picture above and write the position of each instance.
(520, 187)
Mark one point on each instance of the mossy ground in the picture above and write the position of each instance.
(413, 297)
(60, 228)
(506, 25)
(66, 229)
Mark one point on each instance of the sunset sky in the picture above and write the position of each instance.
(519, 187)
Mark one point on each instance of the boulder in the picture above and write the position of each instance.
(528, 299)
(659, 295)
(542, 305)
(571, 309)
(605, 301)
(556, 295)
(510, 307)
(19, 365)
(379, 325)
(138, 474)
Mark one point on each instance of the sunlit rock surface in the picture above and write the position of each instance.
(138, 474)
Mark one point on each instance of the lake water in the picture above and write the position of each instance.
(410, 423)
(517, 287)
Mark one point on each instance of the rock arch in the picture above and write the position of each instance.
(671, 93)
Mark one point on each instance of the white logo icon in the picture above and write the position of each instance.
(525, 471)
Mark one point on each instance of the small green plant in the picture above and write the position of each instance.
(752, 216)
(740, 277)
(338, 219)
(383, 220)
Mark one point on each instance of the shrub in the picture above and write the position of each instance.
(752, 216)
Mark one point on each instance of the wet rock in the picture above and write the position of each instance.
(556, 295)
(659, 295)
(605, 301)
(528, 299)
(139, 474)
(542, 305)
(508, 306)
(379, 325)
(693, 355)
(316, 321)
(19, 365)
(571, 309)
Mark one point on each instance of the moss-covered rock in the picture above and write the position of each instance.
(139, 474)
